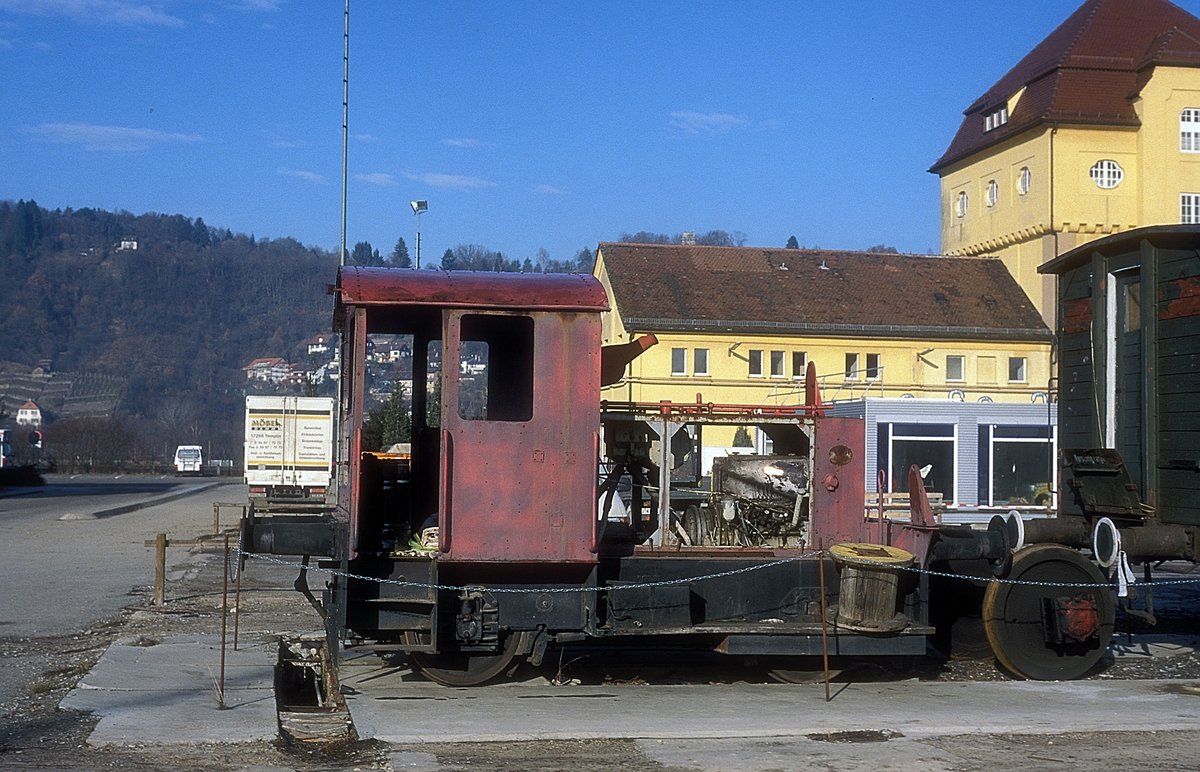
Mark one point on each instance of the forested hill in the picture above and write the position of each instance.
(173, 319)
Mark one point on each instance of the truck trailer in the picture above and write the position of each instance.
(289, 452)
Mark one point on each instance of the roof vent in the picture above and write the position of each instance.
(824, 266)
(783, 266)
(941, 297)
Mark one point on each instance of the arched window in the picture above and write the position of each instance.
(1107, 174)
(1189, 130)
(960, 204)
(1024, 178)
(993, 193)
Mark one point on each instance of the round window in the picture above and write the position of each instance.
(1024, 177)
(1107, 174)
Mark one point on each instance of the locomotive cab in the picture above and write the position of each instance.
(504, 415)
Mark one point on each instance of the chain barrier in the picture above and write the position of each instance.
(688, 580)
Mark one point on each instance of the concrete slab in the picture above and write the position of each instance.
(386, 707)
(1154, 646)
(787, 752)
(167, 693)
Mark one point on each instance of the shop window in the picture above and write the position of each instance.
(932, 448)
(1016, 466)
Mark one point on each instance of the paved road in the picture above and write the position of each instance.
(73, 567)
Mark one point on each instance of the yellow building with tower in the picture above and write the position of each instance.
(739, 325)
(1095, 131)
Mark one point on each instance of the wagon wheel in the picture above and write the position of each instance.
(463, 668)
(1046, 632)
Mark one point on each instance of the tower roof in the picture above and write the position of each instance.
(1085, 72)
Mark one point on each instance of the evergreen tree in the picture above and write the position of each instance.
(399, 257)
(364, 254)
(792, 243)
(389, 423)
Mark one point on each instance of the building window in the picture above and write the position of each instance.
(996, 119)
(1016, 466)
(1107, 174)
(756, 363)
(993, 193)
(678, 361)
(1189, 130)
(776, 364)
(1016, 369)
(1189, 208)
(1024, 178)
(932, 448)
(872, 367)
(956, 368)
(700, 361)
(852, 372)
(799, 364)
(960, 204)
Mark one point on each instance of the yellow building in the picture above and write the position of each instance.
(739, 325)
(1095, 131)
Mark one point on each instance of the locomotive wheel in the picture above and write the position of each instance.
(1049, 633)
(464, 668)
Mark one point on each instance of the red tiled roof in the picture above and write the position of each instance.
(1085, 72)
(816, 292)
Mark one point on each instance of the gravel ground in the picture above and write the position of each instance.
(36, 734)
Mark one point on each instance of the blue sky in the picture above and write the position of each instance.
(525, 125)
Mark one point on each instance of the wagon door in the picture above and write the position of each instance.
(519, 422)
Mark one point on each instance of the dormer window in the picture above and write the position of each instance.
(996, 119)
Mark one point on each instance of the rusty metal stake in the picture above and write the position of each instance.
(224, 617)
(237, 595)
(824, 632)
(160, 569)
(216, 518)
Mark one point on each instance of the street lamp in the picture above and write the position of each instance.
(418, 207)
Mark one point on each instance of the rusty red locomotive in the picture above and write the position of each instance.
(549, 517)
